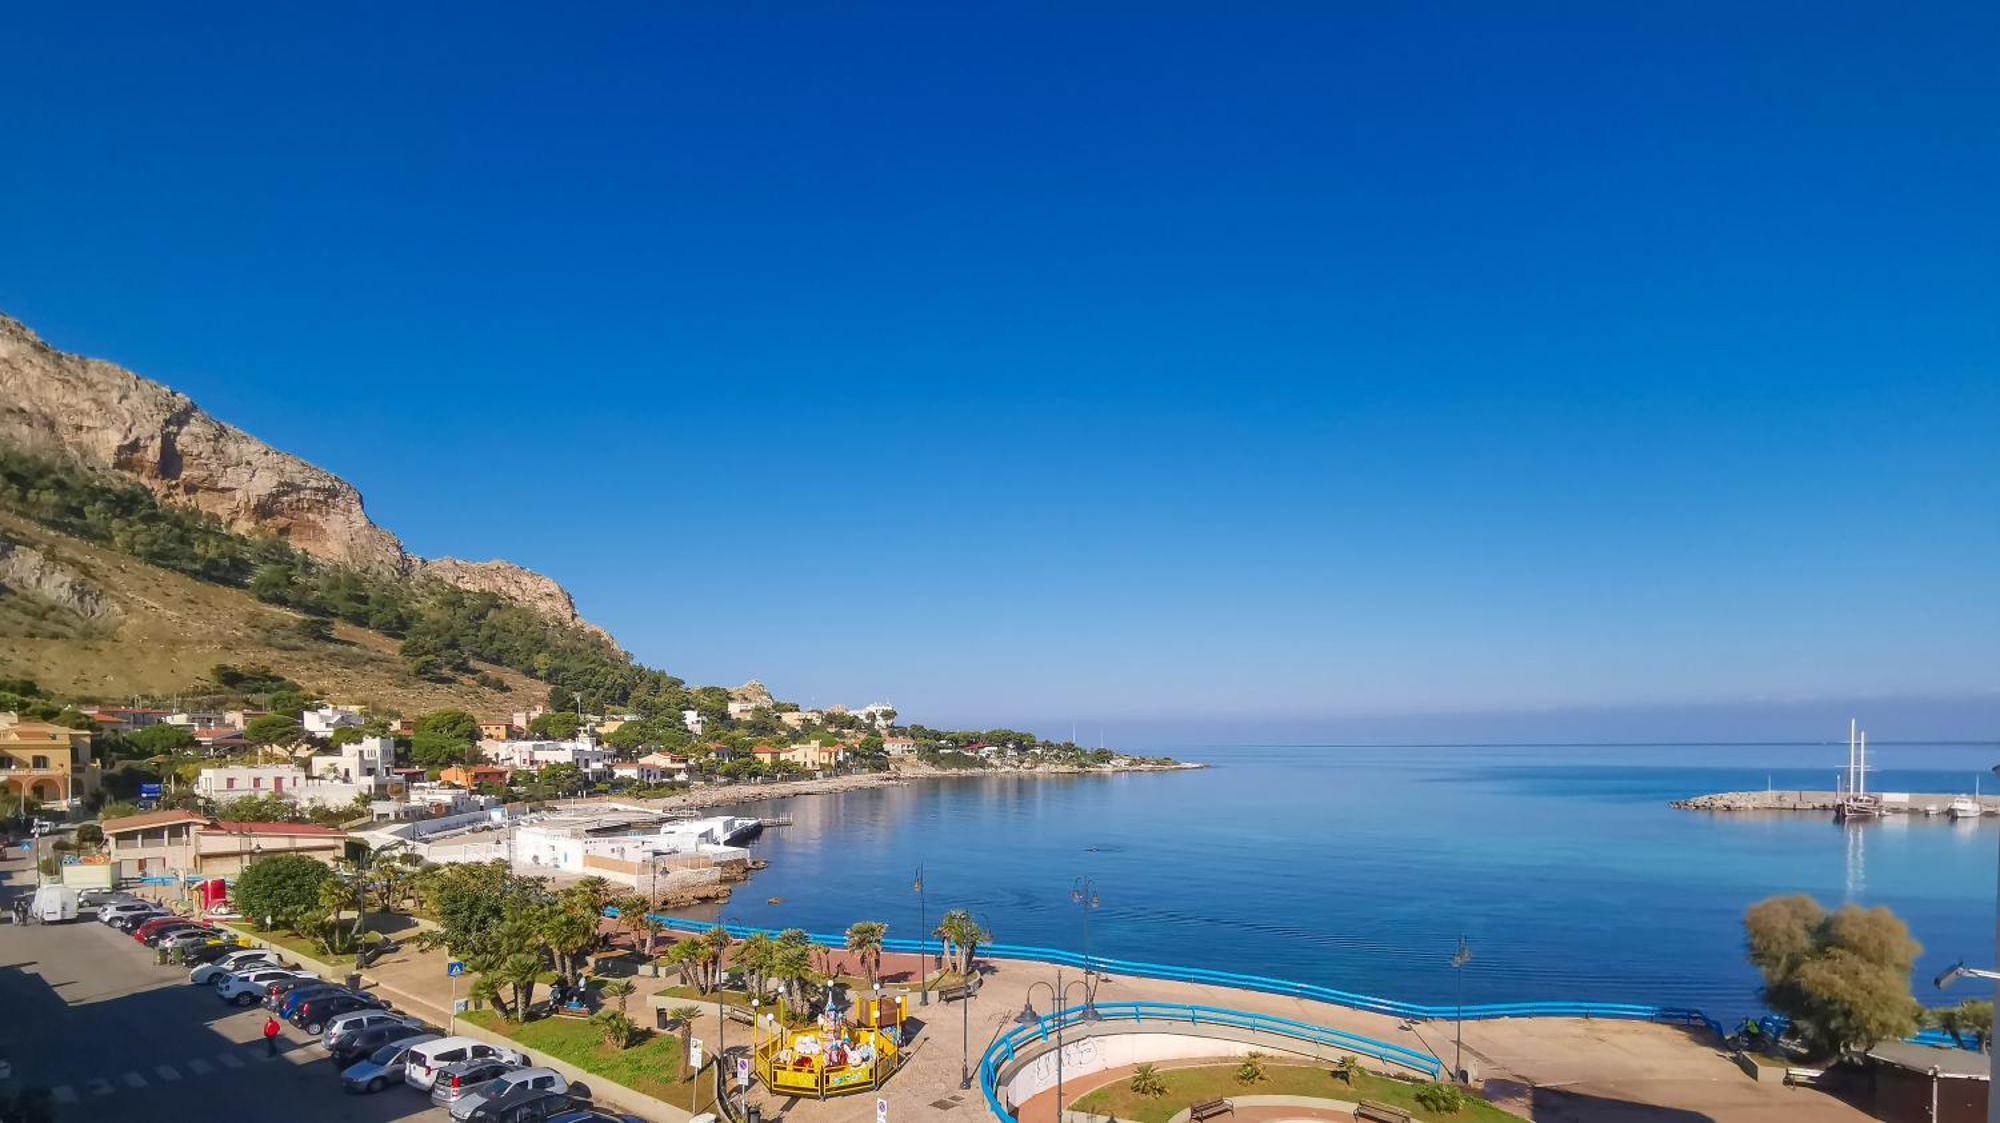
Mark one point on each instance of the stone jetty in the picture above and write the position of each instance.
(1793, 799)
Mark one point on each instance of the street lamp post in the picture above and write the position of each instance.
(1459, 959)
(1058, 994)
(964, 1039)
(923, 943)
(1084, 894)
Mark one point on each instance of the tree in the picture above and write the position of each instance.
(283, 887)
(618, 1029)
(1842, 977)
(158, 740)
(346, 735)
(1146, 1082)
(962, 936)
(1348, 1069)
(272, 729)
(684, 1016)
(90, 834)
(556, 725)
(792, 969)
(1442, 1098)
(1251, 1070)
(864, 939)
(690, 957)
(753, 956)
(1970, 1018)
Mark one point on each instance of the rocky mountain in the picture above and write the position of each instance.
(107, 417)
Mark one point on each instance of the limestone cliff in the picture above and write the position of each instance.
(511, 582)
(103, 415)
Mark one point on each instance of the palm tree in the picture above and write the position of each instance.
(684, 1017)
(791, 966)
(690, 958)
(521, 970)
(617, 989)
(717, 943)
(631, 914)
(962, 935)
(570, 932)
(618, 1029)
(753, 957)
(864, 939)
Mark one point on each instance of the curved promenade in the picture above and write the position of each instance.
(1013, 1052)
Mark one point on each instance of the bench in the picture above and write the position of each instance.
(958, 993)
(1807, 1077)
(739, 1015)
(1380, 1113)
(1209, 1109)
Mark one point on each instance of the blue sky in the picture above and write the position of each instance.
(1143, 364)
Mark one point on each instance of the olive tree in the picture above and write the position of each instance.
(1842, 977)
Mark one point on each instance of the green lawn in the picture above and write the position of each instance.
(651, 1065)
(1218, 1082)
(292, 942)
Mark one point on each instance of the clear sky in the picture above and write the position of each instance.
(1093, 364)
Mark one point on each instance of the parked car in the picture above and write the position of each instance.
(313, 1014)
(209, 951)
(383, 1066)
(421, 1070)
(115, 913)
(236, 959)
(455, 1080)
(350, 1049)
(127, 920)
(520, 1105)
(288, 1000)
(515, 1084)
(153, 929)
(160, 936)
(98, 898)
(222, 912)
(593, 1115)
(347, 1025)
(175, 938)
(282, 987)
(244, 988)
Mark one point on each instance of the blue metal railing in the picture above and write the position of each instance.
(1286, 987)
(1005, 1046)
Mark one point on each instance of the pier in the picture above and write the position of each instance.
(1791, 799)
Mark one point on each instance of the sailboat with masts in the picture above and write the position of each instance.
(1854, 801)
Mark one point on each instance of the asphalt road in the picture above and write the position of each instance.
(85, 1013)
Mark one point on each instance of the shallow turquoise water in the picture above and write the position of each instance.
(1359, 867)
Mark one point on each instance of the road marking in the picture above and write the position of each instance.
(134, 1080)
(63, 1094)
(200, 1067)
(98, 1086)
(229, 1060)
(167, 1072)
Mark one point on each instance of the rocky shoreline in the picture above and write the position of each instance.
(1791, 799)
(733, 794)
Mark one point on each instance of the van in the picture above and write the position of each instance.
(53, 904)
(421, 1069)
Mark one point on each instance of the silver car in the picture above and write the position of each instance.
(458, 1080)
(341, 1027)
(534, 1079)
(382, 1067)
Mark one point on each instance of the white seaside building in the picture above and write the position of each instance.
(590, 757)
(324, 720)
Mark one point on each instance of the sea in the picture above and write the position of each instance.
(1361, 867)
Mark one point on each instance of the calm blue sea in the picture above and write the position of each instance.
(1359, 868)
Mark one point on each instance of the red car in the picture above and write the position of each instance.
(154, 925)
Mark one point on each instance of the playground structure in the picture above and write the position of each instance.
(834, 1056)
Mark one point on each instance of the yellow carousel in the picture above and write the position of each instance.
(834, 1055)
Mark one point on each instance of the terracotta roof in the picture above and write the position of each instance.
(218, 731)
(151, 819)
(230, 826)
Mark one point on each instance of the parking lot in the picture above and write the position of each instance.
(86, 1013)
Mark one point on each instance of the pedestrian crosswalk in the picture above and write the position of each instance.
(229, 1060)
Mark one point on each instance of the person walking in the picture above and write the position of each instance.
(271, 1035)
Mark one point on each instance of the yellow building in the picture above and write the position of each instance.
(45, 762)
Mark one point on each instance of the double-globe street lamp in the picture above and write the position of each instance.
(1058, 995)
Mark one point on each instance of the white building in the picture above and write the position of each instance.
(237, 781)
(590, 757)
(369, 761)
(324, 720)
(899, 746)
(739, 709)
(634, 846)
(692, 719)
(878, 714)
(197, 719)
(655, 768)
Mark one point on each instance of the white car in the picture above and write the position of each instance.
(345, 1025)
(421, 1067)
(540, 1079)
(246, 988)
(208, 973)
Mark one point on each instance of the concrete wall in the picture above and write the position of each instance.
(1096, 1054)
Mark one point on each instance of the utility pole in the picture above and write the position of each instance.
(1459, 959)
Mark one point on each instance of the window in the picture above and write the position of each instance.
(40, 762)
(230, 783)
